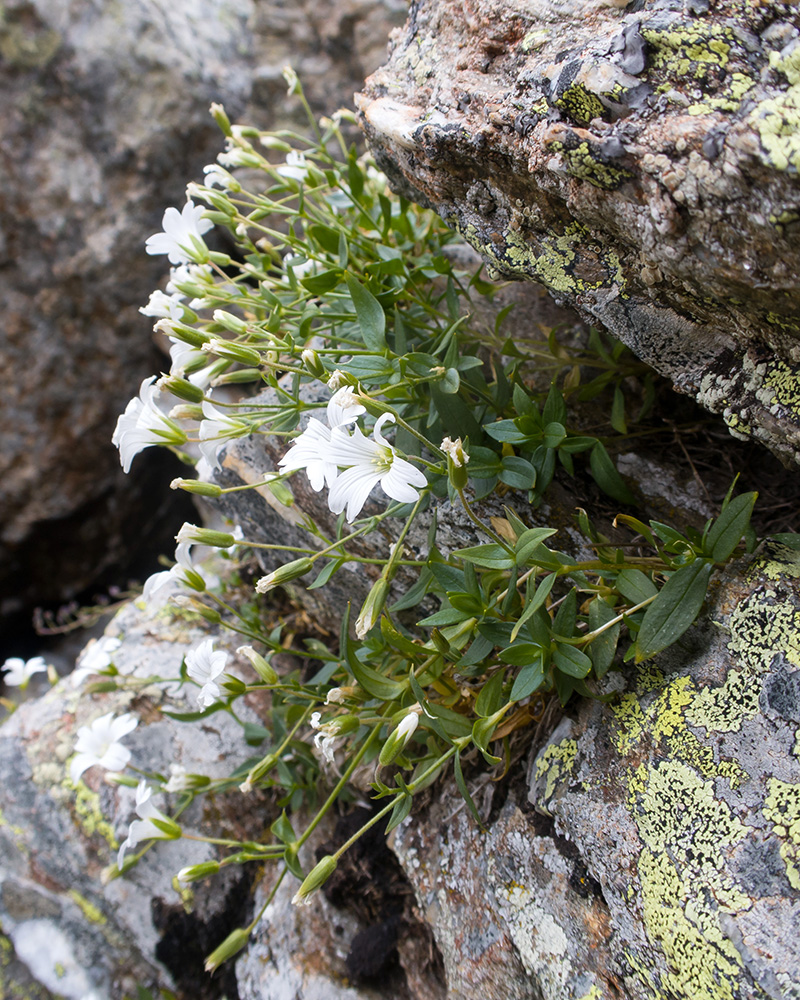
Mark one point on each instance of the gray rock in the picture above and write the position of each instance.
(639, 160)
(104, 121)
(78, 934)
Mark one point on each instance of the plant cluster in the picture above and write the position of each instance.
(334, 281)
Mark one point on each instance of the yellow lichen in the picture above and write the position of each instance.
(723, 709)
(782, 809)
(556, 762)
(762, 627)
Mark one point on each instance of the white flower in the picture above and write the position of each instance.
(215, 429)
(455, 449)
(143, 828)
(367, 462)
(182, 238)
(296, 166)
(215, 175)
(336, 381)
(17, 672)
(184, 573)
(204, 665)
(178, 780)
(189, 274)
(99, 743)
(310, 451)
(162, 306)
(143, 424)
(96, 657)
(300, 267)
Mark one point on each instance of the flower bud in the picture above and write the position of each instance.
(220, 117)
(457, 460)
(259, 664)
(317, 877)
(264, 766)
(373, 605)
(193, 873)
(231, 946)
(186, 411)
(186, 334)
(236, 352)
(229, 322)
(196, 486)
(182, 388)
(205, 536)
(298, 567)
(211, 615)
(400, 737)
(313, 365)
(292, 81)
(169, 829)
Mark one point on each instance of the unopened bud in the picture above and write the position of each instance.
(317, 877)
(186, 411)
(182, 388)
(205, 536)
(193, 873)
(313, 364)
(220, 117)
(259, 664)
(263, 767)
(236, 352)
(457, 460)
(231, 946)
(211, 615)
(284, 574)
(229, 322)
(373, 605)
(196, 486)
(400, 737)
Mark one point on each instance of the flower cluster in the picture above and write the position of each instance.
(349, 463)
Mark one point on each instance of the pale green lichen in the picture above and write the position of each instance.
(761, 627)
(782, 809)
(90, 815)
(723, 709)
(580, 104)
(783, 384)
(534, 39)
(729, 99)
(557, 761)
(89, 910)
(777, 121)
(582, 162)
(689, 50)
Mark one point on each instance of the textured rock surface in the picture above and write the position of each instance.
(72, 931)
(682, 799)
(640, 160)
(105, 119)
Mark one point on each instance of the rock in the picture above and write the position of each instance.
(76, 934)
(639, 160)
(681, 799)
(104, 122)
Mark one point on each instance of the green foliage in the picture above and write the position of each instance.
(335, 277)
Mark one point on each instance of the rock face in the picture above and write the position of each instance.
(104, 122)
(639, 160)
(662, 858)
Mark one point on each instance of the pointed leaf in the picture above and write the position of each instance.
(370, 314)
(673, 611)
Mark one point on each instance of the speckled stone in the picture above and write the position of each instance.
(640, 160)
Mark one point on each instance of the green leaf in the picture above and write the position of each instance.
(787, 538)
(282, 829)
(571, 661)
(528, 680)
(555, 409)
(376, 684)
(517, 473)
(606, 475)
(539, 597)
(529, 541)
(635, 586)
(601, 650)
(521, 654)
(254, 733)
(564, 621)
(505, 430)
(462, 787)
(724, 534)
(554, 434)
(323, 282)
(414, 595)
(326, 573)
(402, 808)
(491, 695)
(491, 556)
(618, 412)
(673, 611)
(370, 314)
(450, 381)
(481, 736)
